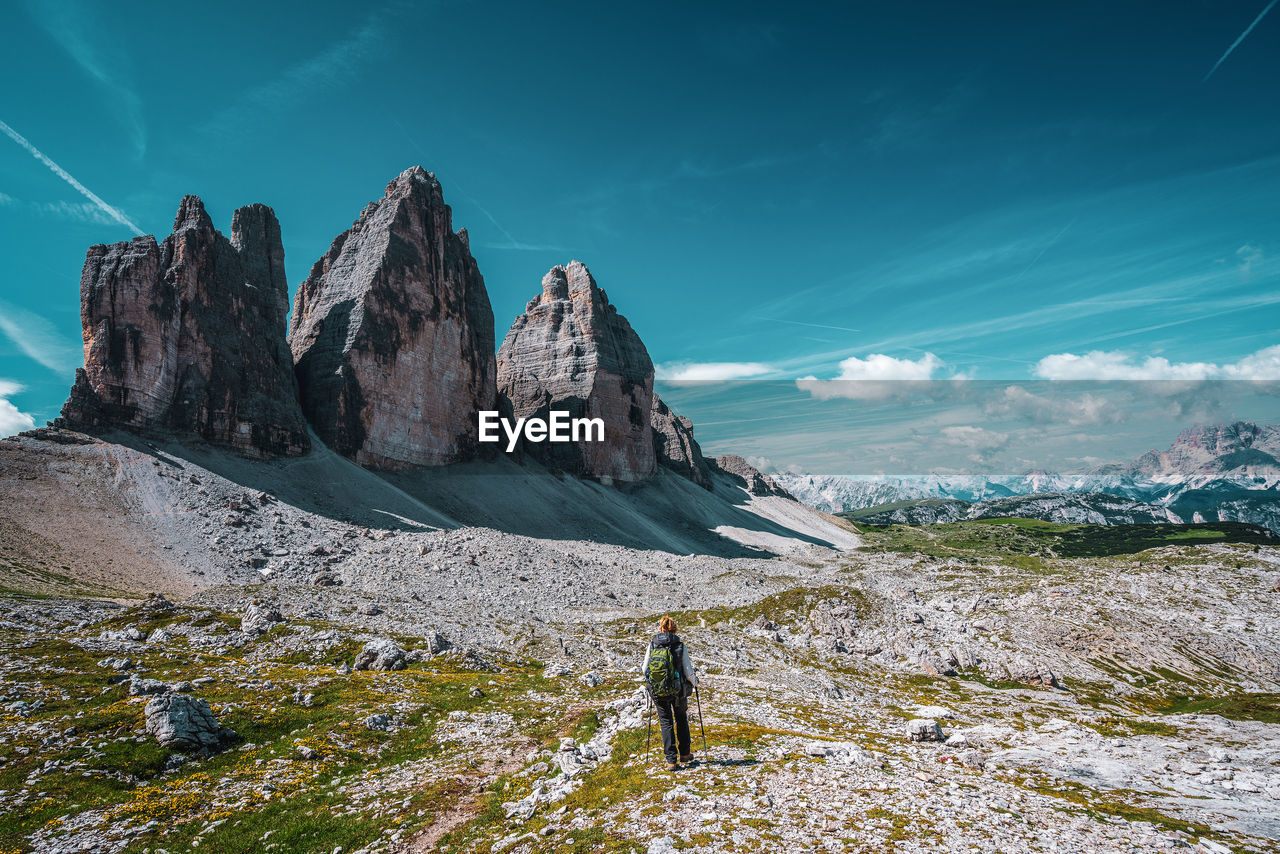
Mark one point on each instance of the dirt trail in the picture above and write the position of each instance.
(466, 808)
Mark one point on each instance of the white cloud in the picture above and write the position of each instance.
(876, 377)
(1119, 365)
(334, 66)
(709, 371)
(1262, 365)
(74, 211)
(12, 420)
(1248, 255)
(878, 366)
(38, 339)
(974, 438)
(1016, 402)
(79, 211)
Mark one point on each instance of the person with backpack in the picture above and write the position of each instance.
(670, 679)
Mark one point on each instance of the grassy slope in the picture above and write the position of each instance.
(984, 538)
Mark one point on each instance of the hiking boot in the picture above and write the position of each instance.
(671, 766)
(688, 757)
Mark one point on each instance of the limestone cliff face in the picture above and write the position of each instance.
(188, 336)
(393, 334)
(675, 446)
(572, 351)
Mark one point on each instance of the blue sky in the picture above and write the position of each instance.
(912, 190)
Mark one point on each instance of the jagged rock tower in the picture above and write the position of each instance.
(675, 446)
(393, 334)
(572, 351)
(188, 336)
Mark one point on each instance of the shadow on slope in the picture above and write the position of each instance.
(320, 482)
(668, 512)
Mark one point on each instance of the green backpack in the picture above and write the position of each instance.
(662, 676)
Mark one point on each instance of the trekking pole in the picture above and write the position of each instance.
(648, 723)
(701, 725)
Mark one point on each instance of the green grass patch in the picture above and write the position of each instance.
(1026, 543)
(1262, 707)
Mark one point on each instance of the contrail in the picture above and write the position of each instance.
(1235, 44)
(107, 209)
(802, 323)
(1046, 248)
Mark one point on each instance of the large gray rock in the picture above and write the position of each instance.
(572, 351)
(924, 729)
(393, 334)
(259, 618)
(184, 723)
(380, 654)
(675, 446)
(188, 336)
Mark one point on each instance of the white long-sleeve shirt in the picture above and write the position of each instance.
(686, 664)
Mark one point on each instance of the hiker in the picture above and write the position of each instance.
(670, 679)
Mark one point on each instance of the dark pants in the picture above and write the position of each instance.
(673, 714)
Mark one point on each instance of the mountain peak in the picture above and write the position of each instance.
(572, 350)
(412, 175)
(191, 214)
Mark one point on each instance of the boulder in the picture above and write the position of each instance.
(187, 336)
(259, 618)
(749, 477)
(662, 845)
(139, 686)
(155, 605)
(571, 351)
(556, 670)
(1035, 674)
(380, 654)
(380, 722)
(924, 730)
(393, 334)
(436, 642)
(934, 712)
(184, 723)
(674, 445)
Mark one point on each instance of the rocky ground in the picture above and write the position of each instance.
(1119, 704)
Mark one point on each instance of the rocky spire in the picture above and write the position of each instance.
(675, 446)
(188, 336)
(393, 334)
(749, 477)
(572, 351)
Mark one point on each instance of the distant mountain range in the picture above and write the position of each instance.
(1221, 473)
(1094, 508)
